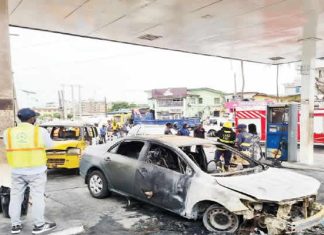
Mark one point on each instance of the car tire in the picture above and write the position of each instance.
(98, 185)
(218, 219)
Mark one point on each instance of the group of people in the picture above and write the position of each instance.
(111, 130)
(244, 141)
(170, 129)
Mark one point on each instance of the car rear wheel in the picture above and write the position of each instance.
(98, 185)
(218, 219)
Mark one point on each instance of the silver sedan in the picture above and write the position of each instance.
(180, 174)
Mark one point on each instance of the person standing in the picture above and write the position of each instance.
(184, 131)
(103, 133)
(110, 131)
(199, 132)
(226, 136)
(25, 150)
(168, 129)
(256, 151)
(243, 139)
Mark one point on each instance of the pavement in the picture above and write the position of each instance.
(70, 205)
(317, 165)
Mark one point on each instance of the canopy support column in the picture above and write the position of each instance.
(308, 82)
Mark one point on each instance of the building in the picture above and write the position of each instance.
(93, 107)
(48, 111)
(175, 103)
(257, 96)
(238, 96)
(293, 88)
(273, 98)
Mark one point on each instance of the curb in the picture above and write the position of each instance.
(70, 231)
(301, 167)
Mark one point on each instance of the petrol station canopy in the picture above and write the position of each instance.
(265, 31)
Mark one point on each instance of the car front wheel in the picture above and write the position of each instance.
(98, 185)
(218, 219)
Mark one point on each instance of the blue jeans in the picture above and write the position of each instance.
(19, 184)
(227, 155)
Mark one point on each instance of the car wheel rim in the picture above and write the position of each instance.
(222, 220)
(96, 184)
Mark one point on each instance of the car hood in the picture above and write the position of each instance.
(62, 145)
(272, 185)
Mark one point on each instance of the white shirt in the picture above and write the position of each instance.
(48, 142)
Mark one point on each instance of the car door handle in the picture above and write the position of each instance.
(107, 159)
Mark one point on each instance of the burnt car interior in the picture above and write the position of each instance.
(197, 155)
(164, 157)
(130, 149)
(203, 157)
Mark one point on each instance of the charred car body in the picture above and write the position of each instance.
(173, 172)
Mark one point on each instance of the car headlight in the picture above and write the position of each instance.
(73, 151)
(257, 206)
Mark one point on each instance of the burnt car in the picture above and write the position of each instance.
(179, 174)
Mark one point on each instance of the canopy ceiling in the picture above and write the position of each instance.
(253, 30)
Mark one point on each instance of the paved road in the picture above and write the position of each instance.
(70, 204)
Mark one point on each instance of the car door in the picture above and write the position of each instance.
(163, 183)
(121, 163)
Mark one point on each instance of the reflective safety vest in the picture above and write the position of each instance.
(245, 141)
(227, 137)
(24, 147)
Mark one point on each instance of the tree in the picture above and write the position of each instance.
(122, 105)
(57, 115)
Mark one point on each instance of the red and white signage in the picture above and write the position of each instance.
(257, 114)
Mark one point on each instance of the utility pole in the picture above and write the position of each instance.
(73, 102)
(243, 80)
(277, 82)
(235, 88)
(106, 110)
(80, 103)
(64, 102)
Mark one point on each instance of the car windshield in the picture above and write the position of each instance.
(61, 133)
(204, 156)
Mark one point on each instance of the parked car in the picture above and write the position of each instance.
(174, 173)
(70, 140)
(142, 129)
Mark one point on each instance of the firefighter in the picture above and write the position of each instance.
(226, 136)
(243, 139)
(25, 150)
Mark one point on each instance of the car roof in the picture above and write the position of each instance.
(66, 123)
(175, 140)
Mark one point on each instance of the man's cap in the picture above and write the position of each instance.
(26, 113)
(241, 126)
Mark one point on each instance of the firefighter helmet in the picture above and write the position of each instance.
(227, 125)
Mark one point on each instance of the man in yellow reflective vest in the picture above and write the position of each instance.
(25, 150)
(226, 136)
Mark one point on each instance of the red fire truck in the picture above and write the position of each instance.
(246, 112)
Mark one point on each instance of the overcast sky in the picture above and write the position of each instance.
(42, 62)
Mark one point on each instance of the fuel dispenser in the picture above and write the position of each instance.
(281, 141)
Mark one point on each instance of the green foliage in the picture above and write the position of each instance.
(122, 105)
(57, 115)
